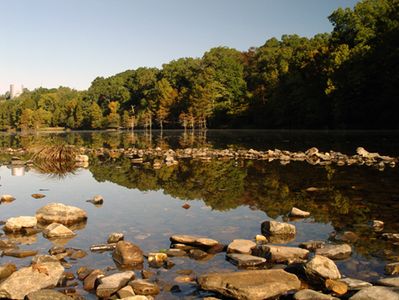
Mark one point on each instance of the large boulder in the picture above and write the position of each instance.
(250, 285)
(60, 213)
(112, 283)
(376, 293)
(128, 254)
(40, 275)
(277, 228)
(17, 224)
(340, 251)
(320, 268)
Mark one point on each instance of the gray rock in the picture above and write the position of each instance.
(340, 251)
(19, 223)
(60, 213)
(355, 284)
(296, 212)
(48, 294)
(320, 268)
(241, 246)
(127, 253)
(389, 281)
(56, 230)
(277, 228)
(312, 245)
(115, 237)
(144, 287)
(112, 283)
(245, 260)
(282, 254)
(30, 279)
(376, 293)
(250, 285)
(308, 294)
(392, 268)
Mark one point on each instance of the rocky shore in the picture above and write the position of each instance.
(265, 269)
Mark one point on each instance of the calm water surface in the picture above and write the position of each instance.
(228, 199)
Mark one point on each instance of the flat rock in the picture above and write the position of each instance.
(144, 287)
(241, 246)
(376, 293)
(60, 213)
(312, 245)
(127, 253)
(47, 294)
(308, 294)
(245, 260)
(277, 228)
(321, 268)
(17, 224)
(56, 230)
(355, 284)
(30, 279)
(112, 283)
(38, 196)
(389, 281)
(296, 212)
(19, 253)
(336, 287)
(282, 254)
(250, 285)
(340, 251)
(193, 240)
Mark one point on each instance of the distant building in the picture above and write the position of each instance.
(14, 92)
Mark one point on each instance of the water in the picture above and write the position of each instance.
(228, 199)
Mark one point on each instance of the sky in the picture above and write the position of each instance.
(51, 43)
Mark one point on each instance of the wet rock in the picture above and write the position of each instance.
(337, 287)
(260, 239)
(127, 253)
(312, 245)
(308, 294)
(320, 268)
(145, 274)
(19, 253)
(340, 251)
(6, 270)
(376, 293)
(241, 246)
(17, 224)
(378, 225)
(83, 272)
(103, 247)
(282, 254)
(246, 260)
(355, 284)
(346, 237)
(112, 283)
(144, 287)
(7, 198)
(115, 237)
(251, 285)
(176, 252)
(277, 228)
(90, 280)
(77, 254)
(56, 250)
(125, 292)
(60, 213)
(193, 240)
(30, 279)
(197, 254)
(97, 199)
(56, 230)
(6, 244)
(186, 206)
(38, 196)
(217, 249)
(184, 279)
(47, 294)
(296, 212)
(394, 282)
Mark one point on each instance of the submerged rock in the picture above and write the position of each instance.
(340, 251)
(17, 224)
(250, 285)
(127, 253)
(60, 213)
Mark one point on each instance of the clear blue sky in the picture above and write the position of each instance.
(69, 42)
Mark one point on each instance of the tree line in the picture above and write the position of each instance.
(344, 79)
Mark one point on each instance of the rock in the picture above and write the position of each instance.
(56, 230)
(378, 225)
(217, 249)
(83, 272)
(176, 252)
(197, 254)
(184, 279)
(112, 283)
(115, 237)
(392, 268)
(125, 292)
(277, 228)
(376, 293)
(346, 237)
(6, 244)
(81, 158)
(337, 287)
(127, 254)
(365, 154)
(6, 198)
(19, 223)
(241, 246)
(296, 212)
(38, 196)
(308, 294)
(312, 245)
(60, 213)
(260, 239)
(394, 237)
(144, 287)
(251, 285)
(19, 253)
(77, 254)
(145, 274)
(340, 251)
(47, 294)
(90, 280)
(138, 297)
(30, 279)
(193, 240)
(320, 268)
(245, 260)
(282, 254)
(355, 284)
(97, 199)
(389, 281)
(312, 151)
(6, 270)
(186, 206)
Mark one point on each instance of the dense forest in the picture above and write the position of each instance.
(345, 79)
